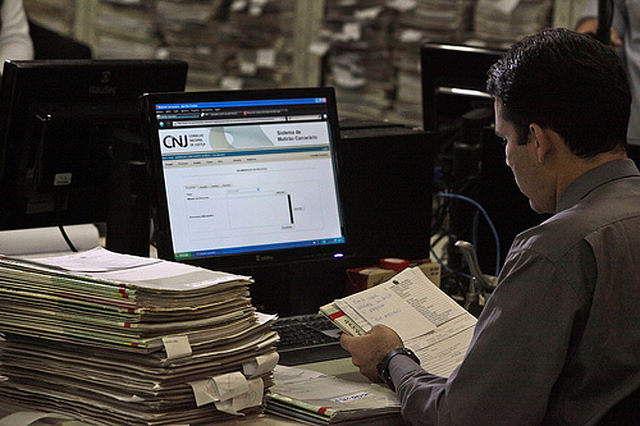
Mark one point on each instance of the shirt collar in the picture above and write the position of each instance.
(587, 182)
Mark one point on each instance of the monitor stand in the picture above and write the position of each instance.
(128, 218)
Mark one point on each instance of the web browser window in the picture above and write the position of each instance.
(249, 175)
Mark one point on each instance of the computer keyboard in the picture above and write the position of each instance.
(307, 338)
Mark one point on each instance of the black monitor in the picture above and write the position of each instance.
(245, 178)
(59, 123)
(453, 81)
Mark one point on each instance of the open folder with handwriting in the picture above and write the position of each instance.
(429, 322)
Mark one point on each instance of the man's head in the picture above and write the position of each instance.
(569, 83)
(562, 105)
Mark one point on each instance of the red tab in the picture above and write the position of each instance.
(323, 410)
(127, 325)
(336, 315)
(123, 293)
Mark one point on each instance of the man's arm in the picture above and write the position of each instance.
(518, 350)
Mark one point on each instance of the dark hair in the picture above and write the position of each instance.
(569, 83)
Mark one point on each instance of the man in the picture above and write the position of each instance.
(625, 38)
(559, 339)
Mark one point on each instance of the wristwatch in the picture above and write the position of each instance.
(383, 366)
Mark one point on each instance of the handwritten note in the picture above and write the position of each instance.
(382, 305)
(435, 326)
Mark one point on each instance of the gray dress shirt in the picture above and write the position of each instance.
(559, 339)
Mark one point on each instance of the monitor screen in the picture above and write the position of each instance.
(245, 177)
(58, 123)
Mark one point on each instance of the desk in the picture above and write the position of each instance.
(341, 367)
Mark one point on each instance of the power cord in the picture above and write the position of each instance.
(487, 218)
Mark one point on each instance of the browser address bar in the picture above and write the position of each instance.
(228, 121)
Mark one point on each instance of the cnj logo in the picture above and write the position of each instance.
(178, 142)
(175, 141)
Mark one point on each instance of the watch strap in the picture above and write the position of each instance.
(383, 366)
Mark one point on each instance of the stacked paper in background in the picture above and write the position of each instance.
(125, 29)
(373, 52)
(258, 39)
(502, 22)
(415, 23)
(117, 339)
(358, 61)
(190, 32)
(230, 44)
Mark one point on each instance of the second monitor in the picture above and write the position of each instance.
(64, 126)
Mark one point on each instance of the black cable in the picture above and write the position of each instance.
(605, 19)
(59, 202)
(67, 239)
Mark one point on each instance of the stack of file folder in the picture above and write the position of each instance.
(238, 44)
(190, 30)
(315, 398)
(125, 29)
(358, 61)
(502, 22)
(117, 339)
(415, 23)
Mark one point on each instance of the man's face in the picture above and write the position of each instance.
(522, 159)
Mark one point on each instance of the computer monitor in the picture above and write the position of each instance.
(245, 178)
(59, 120)
(453, 80)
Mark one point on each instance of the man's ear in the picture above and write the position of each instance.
(542, 140)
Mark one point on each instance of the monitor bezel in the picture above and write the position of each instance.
(26, 84)
(160, 210)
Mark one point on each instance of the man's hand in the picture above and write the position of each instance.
(368, 350)
(590, 25)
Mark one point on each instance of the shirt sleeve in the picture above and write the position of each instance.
(15, 42)
(518, 350)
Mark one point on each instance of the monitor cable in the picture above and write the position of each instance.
(59, 201)
(605, 19)
(67, 239)
(487, 218)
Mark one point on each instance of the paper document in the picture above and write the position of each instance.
(316, 398)
(96, 260)
(429, 322)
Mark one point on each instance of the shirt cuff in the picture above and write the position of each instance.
(399, 366)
